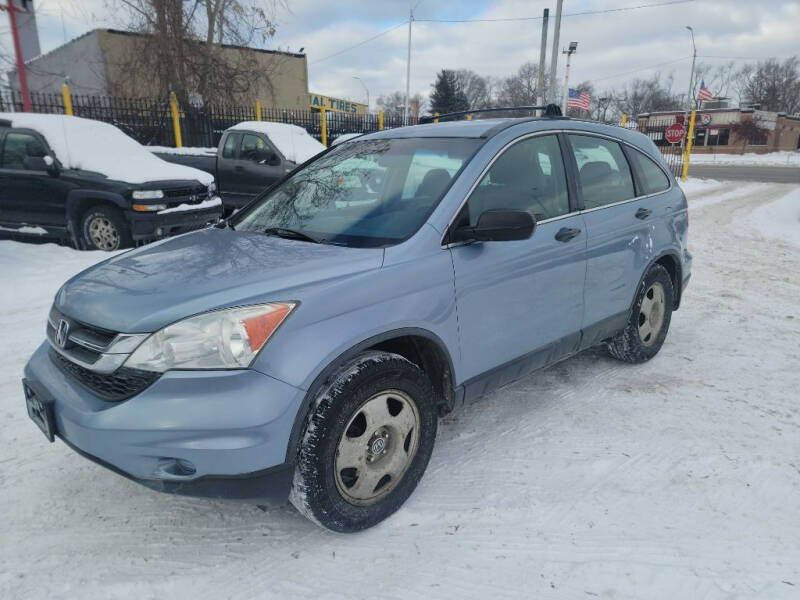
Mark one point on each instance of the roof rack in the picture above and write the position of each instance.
(548, 110)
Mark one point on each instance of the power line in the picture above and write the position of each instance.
(361, 43)
(669, 62)
(574, 14)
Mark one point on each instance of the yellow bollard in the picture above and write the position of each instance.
(258, 110)
(469, 117)
(323, 126)
(688, 147)
(176, 119)
(435, 119)
(624, 120)
(380, 120)
(67, 100)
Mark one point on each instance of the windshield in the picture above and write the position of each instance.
(366, 193)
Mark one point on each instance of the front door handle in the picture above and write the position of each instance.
(565, 234)
(643, 213)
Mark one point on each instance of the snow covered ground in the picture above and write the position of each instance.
(679, 478)
(771, 159)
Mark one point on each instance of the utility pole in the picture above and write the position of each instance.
(408, 67)
(573, 47)
(554, 59)
(366, 89)
(542, 53)
(21, 74)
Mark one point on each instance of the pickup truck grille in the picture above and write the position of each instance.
(184, 194)
(114, 387)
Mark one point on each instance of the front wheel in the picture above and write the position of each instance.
(649, 320)
(105, 229)
(366, 444)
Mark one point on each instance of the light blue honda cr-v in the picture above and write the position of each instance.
(305, 348)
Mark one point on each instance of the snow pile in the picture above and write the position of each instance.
(780, 219)
(771, 159)
(26, 229)
(293, 142)
(96, 146)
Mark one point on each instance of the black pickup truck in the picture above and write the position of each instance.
(251, 156)
(88, 183)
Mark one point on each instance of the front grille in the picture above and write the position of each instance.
(114, 387)
(183, 193)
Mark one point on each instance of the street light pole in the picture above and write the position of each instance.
(366, 89)
(408, 67)
(691, 75)
(554, 57)
(573, 47)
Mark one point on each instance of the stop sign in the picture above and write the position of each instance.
(674, 133)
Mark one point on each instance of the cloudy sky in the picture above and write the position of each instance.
(613, 46)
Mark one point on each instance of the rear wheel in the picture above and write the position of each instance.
(649, 321)
(366, 444)
(105, 229)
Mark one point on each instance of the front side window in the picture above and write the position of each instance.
(528, 176)
(17, 147)
(651, 178)
(603, 171)
(254, 148)
(368, 193)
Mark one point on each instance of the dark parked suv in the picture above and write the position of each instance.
(87, 182)
(305, 348)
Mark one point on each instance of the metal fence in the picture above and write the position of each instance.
(148, 120)
(672, 153)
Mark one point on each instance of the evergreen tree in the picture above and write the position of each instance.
(447, 95)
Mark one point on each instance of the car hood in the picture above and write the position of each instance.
(145, 289)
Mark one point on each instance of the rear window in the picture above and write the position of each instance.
(652, 178)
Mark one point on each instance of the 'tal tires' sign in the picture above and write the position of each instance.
(674, 133)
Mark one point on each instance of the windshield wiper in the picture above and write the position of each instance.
(291, 234)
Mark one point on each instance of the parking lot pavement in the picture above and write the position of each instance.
(679, 478)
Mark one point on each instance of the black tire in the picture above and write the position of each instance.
(116, 234)
(316, 489)
(628, 345)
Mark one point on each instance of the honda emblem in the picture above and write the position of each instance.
(62, 333)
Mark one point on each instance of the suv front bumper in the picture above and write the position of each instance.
(221, 434)
(148, 226)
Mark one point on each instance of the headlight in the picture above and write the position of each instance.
(149, 207)
(147, 194)
(221, 339)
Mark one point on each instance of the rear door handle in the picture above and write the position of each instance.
(565, 234)
(643, 213)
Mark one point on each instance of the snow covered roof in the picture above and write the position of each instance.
(345, 137)
(293, 141)
(96, 146)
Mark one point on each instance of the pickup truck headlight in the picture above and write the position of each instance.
(148, 194)
(220, 339)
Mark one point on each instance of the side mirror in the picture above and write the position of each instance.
(499, 225)
(41, 163)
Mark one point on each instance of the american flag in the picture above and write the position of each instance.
(704, 94)
(578, 99)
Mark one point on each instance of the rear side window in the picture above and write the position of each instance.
(603, 171)
(651, 178)
(528, 176)
(231, 143)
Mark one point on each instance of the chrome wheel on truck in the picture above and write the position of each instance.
(103, 233)
(104, 228)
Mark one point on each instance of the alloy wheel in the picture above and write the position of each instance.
(651, 314)
(103, 233)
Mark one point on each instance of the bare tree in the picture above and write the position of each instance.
(773, 84)
(476, 88)
(393, 104)
(647, 95)
(186, 46)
